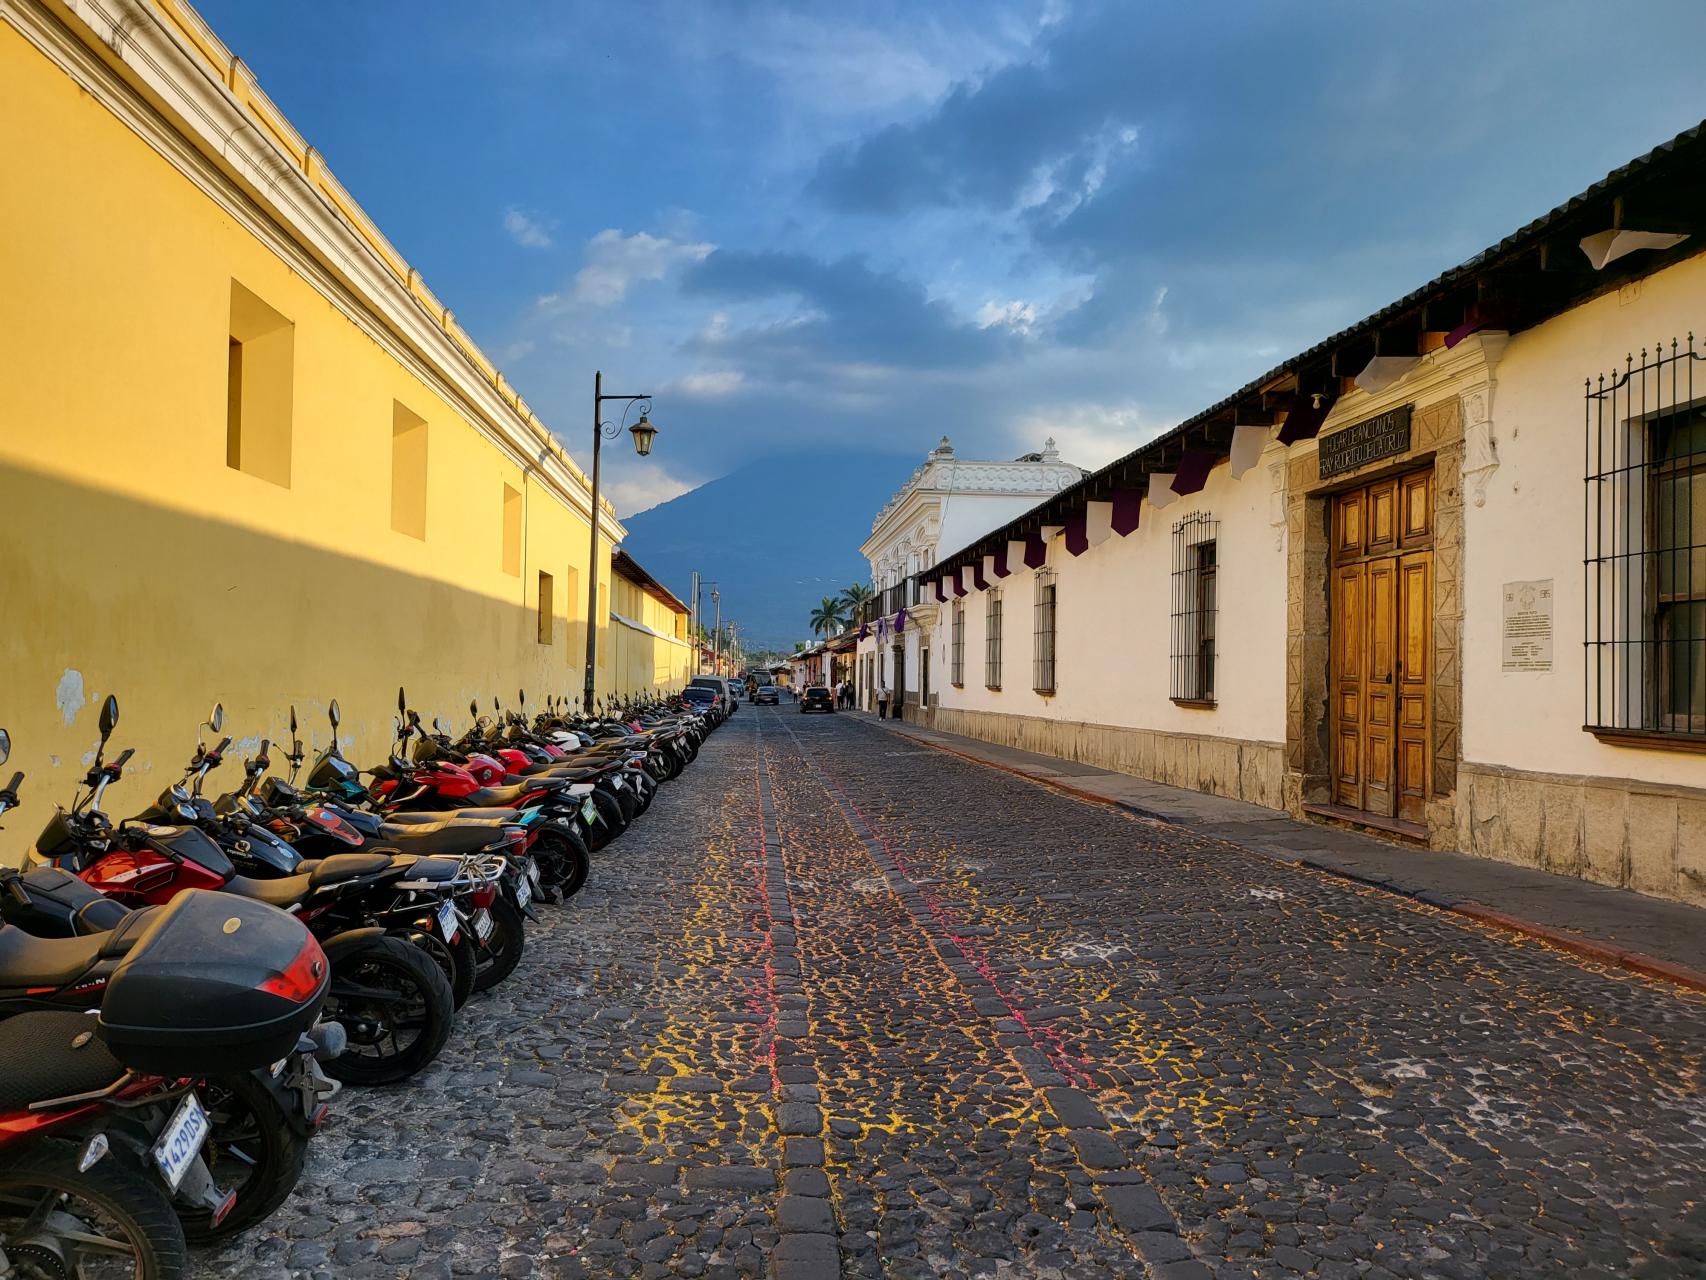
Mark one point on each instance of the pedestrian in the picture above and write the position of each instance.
(882, 702)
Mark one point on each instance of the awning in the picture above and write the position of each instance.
(640, 626)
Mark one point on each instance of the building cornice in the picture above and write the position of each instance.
(160, 70)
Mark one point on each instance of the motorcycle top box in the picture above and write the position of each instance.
(214, 973)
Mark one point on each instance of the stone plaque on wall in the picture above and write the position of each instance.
(1383, 436)
(1528, 626)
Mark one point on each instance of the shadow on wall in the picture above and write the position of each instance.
(172, 612)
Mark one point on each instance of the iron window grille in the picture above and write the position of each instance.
(1644, 604)
(1195, 604)
(1042, 652)
(957, 663)
(992, 640)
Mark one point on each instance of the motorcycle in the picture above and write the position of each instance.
(394, 1000)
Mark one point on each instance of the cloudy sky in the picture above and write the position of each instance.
(866, 224)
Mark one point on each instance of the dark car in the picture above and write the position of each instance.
(817, 698)
(707, 701)
(768, 695)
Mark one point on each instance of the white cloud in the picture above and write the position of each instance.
(528, 229)
(710, 384)
(1090, 435)
(614, 261)
(1017, 315)
(643, 487)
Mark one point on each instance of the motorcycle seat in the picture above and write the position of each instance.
(503, 795)
(439, 837)
(29, 961)
(124, 935)
(458, 815)
(40, 1058)
(421, 867)
(286, 892)
(347, 866)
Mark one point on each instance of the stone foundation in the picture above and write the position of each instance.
(1614, 831)
(1244, 770)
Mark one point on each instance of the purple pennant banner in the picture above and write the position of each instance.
(864, 630)
(1128, 507)
(1001, 569)
(1036, 551)
(977, 577)
(958, 585)
(1304, 421)
(900, 622)
(1077, 533)
(1192, 472)
(941, 592)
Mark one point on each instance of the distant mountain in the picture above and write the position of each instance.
(776, 536)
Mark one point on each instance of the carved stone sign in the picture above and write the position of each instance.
(1383, 436)
(1528, 626)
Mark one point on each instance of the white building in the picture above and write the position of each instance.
(1442, 575)
(945, 503)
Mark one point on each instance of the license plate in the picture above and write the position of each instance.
(523, 892)
(482, 924)
(589, 810)
(181, 1143)
(617, 783)
(447, 921)
(533, 872)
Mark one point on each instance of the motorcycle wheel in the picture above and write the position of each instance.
(501, 951)
(252, 1150)
(630, 806)
(614, 824)
(402, 1026)
(563, 860)
(465, 958)
(112, 1202)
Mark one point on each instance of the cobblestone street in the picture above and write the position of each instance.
(844, 1004)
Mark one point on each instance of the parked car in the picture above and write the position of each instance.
(768, 695)
(721, 685)
(817, 698)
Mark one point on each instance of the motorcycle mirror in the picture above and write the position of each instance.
(293, 719)
(436, 727)
(474, 708)
(402, 703)
(495, 704)
(334, 714)
(521, 697)
(216, 721)
(5, 745)
(109, 717)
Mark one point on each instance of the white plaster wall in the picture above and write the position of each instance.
(1532, 527)
(1113, 621)
(966, 517)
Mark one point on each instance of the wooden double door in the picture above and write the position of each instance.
(1382, 655)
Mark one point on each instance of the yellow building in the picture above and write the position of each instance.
(648, 632)
(245, 454)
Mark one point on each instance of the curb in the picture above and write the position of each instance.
(1605, 953)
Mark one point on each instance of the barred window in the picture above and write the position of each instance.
(1195, 566)
(1646, 551)
(1042, 661)
(992, 640)
(957, 661)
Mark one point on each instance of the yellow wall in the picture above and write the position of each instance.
(641, 661)
(134, 560)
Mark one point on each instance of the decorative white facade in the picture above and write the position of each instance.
(946, 503)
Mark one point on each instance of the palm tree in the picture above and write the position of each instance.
(856, 595)
(827, 616)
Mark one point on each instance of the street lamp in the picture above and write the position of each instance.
(643, 433)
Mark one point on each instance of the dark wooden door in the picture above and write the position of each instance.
(1382, 664)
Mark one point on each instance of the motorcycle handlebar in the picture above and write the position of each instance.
(16, 782)
(220, 749)
(124, 755)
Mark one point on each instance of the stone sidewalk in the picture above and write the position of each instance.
(1664, 939)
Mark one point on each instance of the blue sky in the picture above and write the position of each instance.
(864, 225)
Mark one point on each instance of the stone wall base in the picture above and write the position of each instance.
(1244, 770)
(1616, 831)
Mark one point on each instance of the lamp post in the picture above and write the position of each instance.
(717, 633)
(643, 432)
